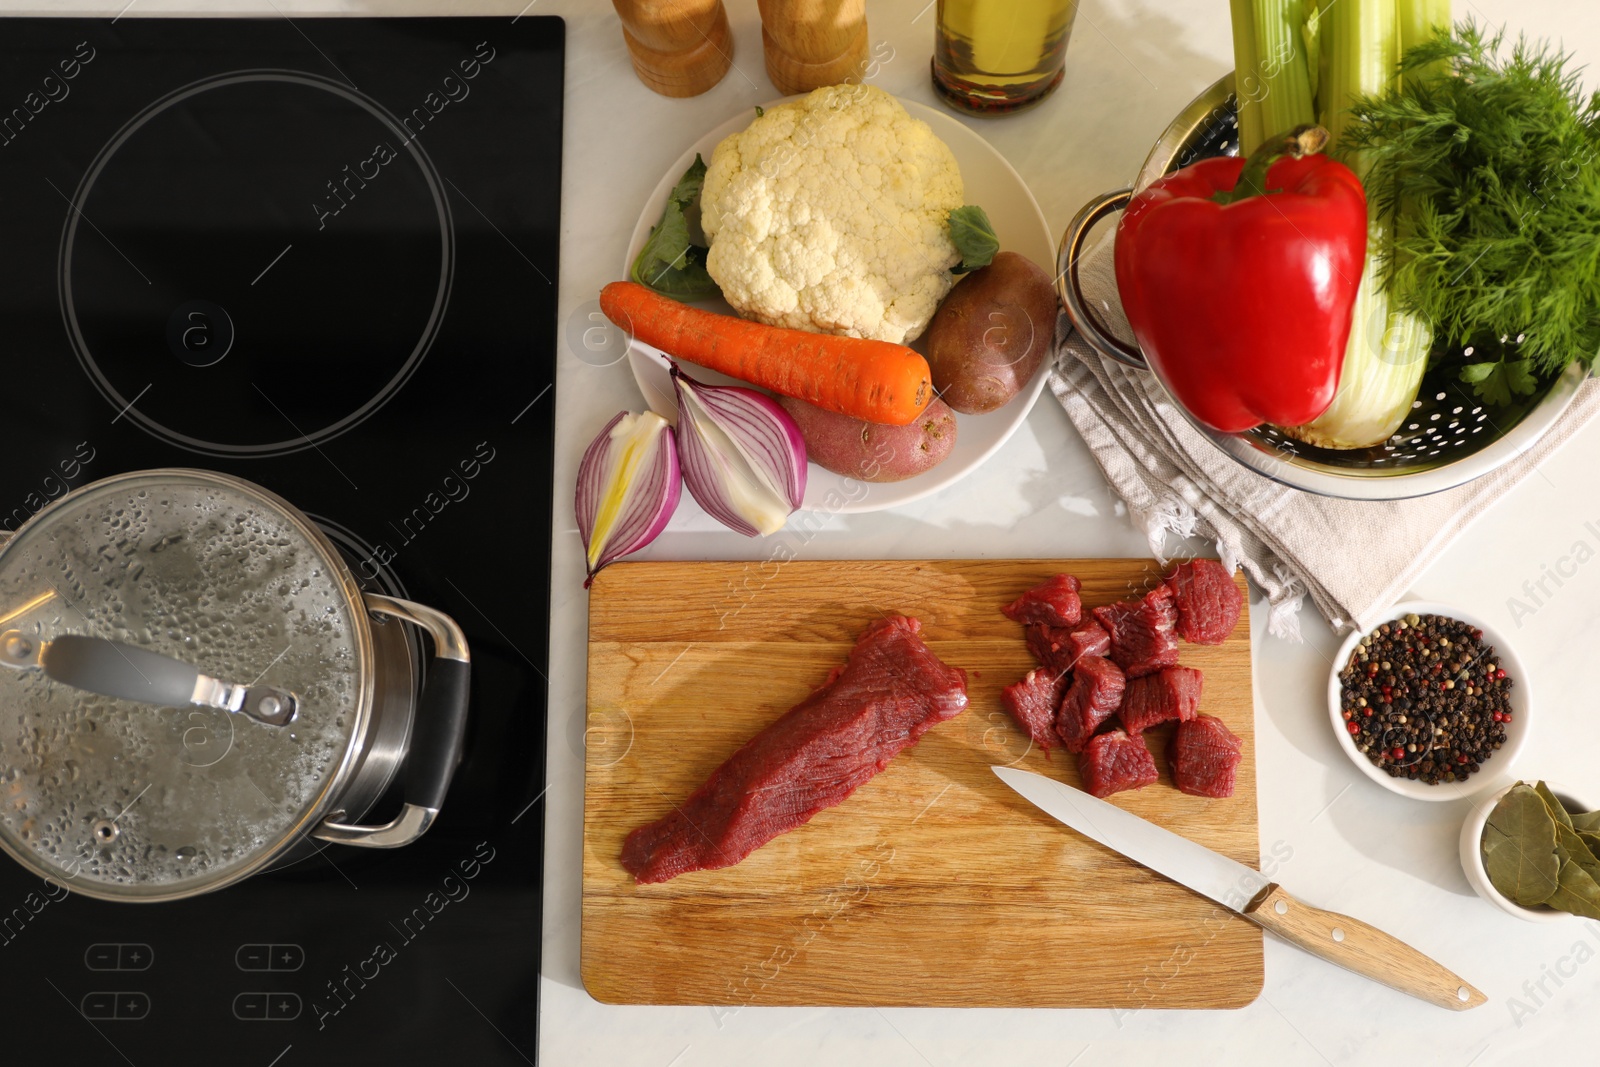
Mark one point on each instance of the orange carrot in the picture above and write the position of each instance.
(874, 380)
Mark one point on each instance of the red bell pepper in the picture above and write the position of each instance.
(1238, 278)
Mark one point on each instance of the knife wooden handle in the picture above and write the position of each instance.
(1366, 950)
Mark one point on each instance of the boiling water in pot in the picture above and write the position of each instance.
(128, 795)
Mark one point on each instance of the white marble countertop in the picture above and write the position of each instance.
(1354, 847)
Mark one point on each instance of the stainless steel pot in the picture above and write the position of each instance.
(198, 689)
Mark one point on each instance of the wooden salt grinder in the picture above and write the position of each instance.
(678, 47)
(811, 43)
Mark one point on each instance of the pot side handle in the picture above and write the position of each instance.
(437, 739)
(1070, 286)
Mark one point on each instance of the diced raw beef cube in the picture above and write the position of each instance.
(1095, 693)
(1172, 693)
(1208, 602)
(1049, 646)
(1089, 639)
(1059, 648)
(1205, 756)
(1053, 603)
(1142, 636)
(1115, 761)
(1033, 703)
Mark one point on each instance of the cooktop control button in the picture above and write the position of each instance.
(270, 957)
(99, 1006)
(252, 957)
(104, 956)
(250, 1007)
(199, 332)
(287, 958)
(134, 957)
(115, 1007)
(266, 1007)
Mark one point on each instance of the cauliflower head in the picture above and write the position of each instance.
(830, 214)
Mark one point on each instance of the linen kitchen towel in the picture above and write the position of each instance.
(1352, 558)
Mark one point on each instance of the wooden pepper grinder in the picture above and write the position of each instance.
(812, 43)
(678, 47)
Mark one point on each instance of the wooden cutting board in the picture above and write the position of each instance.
(934, 884)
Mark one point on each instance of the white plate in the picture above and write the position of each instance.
(1494, 771)
(992, 184)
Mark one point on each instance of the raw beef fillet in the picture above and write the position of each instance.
(1094, 694)
(1172, 693)
(1033, 703)
(1142, 637)
(886, 696)
(1059, 648)
(1115, 761)
(1054, 603)
(1205, 756)
(1208, 602)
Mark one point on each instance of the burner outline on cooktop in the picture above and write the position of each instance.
(301, 440)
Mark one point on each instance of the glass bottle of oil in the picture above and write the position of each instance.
(994, 57)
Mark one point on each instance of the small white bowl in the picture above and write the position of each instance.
(1472, 853)
(1493, 771)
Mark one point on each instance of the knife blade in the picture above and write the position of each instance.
(1339, 939)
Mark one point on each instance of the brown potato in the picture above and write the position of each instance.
(991, 333)
(873, 451)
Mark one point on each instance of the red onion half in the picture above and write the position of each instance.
(743, 458)
(628, 487)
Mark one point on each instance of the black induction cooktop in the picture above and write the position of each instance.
(319, 254)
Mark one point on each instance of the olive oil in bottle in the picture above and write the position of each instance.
(998, 56)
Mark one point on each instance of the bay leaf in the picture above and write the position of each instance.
(1519, 847)
(1588, 820)
(1570, 845)
(1583, 849)
(1558, 810)
(1576, 892)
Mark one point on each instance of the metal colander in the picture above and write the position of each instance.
(1450, 437)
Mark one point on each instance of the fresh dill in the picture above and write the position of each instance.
(1493, 171)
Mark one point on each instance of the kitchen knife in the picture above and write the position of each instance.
(1339, 939)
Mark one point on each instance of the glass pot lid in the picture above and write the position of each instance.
(139, 800)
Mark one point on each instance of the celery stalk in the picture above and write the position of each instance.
(1383, 364)
(1299, 61)
(1417, 20)
(1286, 82)
(1387, 351)
(1365, 49)
(1311, 37)
(1246, 76)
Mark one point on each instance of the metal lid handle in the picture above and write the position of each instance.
(128, 672)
